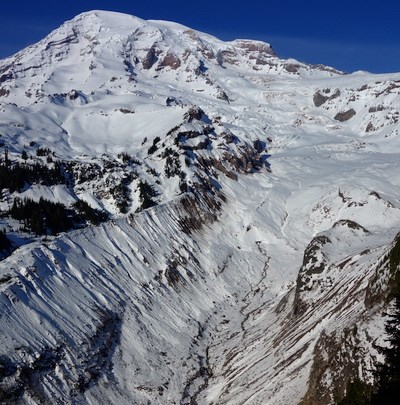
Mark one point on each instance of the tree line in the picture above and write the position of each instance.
(15, 177)
(44, 217)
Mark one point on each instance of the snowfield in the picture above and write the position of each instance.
(259, 275)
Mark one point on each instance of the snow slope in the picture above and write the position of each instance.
(266, 258)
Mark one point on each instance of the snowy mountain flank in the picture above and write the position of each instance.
(191, 221)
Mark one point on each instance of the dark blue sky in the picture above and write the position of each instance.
(349, 35)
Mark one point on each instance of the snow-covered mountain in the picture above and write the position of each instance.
(192, 220)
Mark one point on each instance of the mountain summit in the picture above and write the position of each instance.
(187, 220)
(98, 46)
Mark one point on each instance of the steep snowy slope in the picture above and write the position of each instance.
(252, 206)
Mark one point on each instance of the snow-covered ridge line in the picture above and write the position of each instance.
(127, 48)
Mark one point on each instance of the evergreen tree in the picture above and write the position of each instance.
(87, 213)
(4, 241)
(16, 176)
(358, 393)
(43, 216)
(36, 222)
(388, 374)
(146, 194)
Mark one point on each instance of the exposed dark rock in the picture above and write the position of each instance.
(150, 59)
(345, 116)
(199, 208)
(329, 69)
(292, 67)
(259, 146)
(229, 137)
(255, 46)
(5, 68)
(313, 263)
(350, 224)
(221, 95)
(17, 378)
(336, 359)
(228, 173)
(378, 287)
(129, 68)
(173, 276)
(126, 111)
(4, 92)
(31, 374)
(203, 48)
(310, 255)
(319, 99)
(70, 39)
(377, 108)
(227, 56)
(73, 95)
(194, 113)
(389, 89)
(170, 101)
(98, 350)
(370, 127)
(170, 60)
(201, 69)
(261, 61)
(4, 78)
